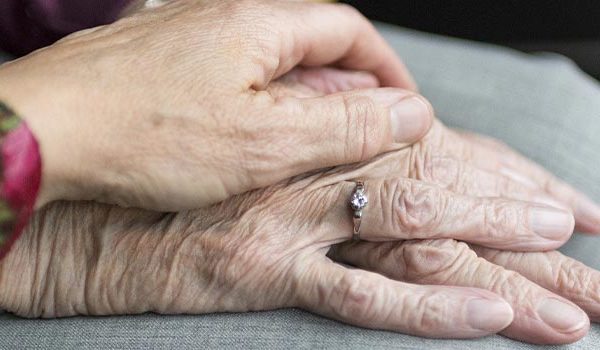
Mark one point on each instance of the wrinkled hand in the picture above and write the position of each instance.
(462, 162)
(167, 109)
(542, 288)
(266, 249)
(258, 251)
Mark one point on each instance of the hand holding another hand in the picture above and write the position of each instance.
(177, 115)
(267, 249)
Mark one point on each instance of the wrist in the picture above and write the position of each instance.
(37, 104)
(16, 279)
(20, 164)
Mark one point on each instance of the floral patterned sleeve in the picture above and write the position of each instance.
(20, 171)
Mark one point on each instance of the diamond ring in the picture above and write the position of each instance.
(358, 201)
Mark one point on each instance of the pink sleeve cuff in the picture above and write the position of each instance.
(21, 166)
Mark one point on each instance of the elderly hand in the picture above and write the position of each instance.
(542, 288)
(462, 162)
(535, 284)
(258, 251)
(167, 109)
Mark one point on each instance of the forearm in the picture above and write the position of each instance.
(42, 275)
(72, 258)
(84, 258)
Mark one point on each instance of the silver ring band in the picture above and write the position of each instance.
(358, 201)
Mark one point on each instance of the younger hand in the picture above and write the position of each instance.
(168, 109)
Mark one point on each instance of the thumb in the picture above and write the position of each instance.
(352, 126)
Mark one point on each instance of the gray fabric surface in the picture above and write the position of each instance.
(284, 329)
(541, 105)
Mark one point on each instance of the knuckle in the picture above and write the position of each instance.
(424, 153)
(246, 16)
(510, 284)
(354, 297)
(501, 218)
(572, 277)
(434, 261)
(416, 208)
(364, 129)
(445, 172)
(253, 32)
(432, 312)
(390, 254)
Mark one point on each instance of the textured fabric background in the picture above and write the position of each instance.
(542, 105)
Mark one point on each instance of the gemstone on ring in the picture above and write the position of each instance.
(359, 200)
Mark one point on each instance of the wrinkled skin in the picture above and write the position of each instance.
(529, 282)
(130, 113)
(267, 249)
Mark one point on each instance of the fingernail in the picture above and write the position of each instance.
(411, 118)
(551, 223)
(489, 315)
(563, 317)
(588, 215)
